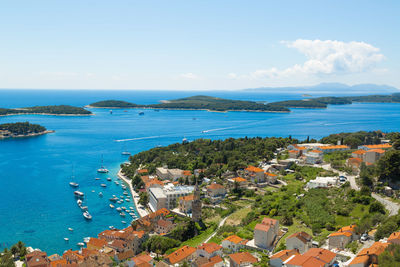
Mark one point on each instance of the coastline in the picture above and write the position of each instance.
(191, 109)
(28, 135)
(46, 114)
(141, 211)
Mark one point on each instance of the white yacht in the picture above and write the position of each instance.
(87, 215)
(79, 194)
(102, 169)
(73, 184)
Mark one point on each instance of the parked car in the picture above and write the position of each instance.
(342, 178)
(364, 237)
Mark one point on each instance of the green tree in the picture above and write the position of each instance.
(388, 167)
(143, 199)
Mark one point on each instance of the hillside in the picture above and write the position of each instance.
(113, 104)
(50, 110)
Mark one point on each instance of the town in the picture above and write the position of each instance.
(253, 202)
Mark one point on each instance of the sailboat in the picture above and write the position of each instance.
(125, 152)
(102, 168)
(73, 184)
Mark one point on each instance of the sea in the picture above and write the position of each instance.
(37, 204)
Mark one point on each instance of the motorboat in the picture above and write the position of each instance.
(123, 208)
(119, 201)
(80, 244)
(70, 229)
(108, 179)
(79, 194)
(103, 185)
(122, 214)
(97, 178)
(127, 199)
(87, 215)
(86, 239)
(111, 206)
(66, 239)
(111, 227)
(118, 209)
(124, 222)
(126, 153)
(84, 208)
(113, 199)
(125, 193)
(79, 202)
(73, 184)
(116, 182)
(100, 194)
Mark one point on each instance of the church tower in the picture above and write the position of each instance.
(196, 204)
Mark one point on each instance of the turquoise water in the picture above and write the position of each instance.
(36, 202)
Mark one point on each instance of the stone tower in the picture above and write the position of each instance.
(196, 204)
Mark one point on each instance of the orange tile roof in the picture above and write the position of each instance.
(251, 168)
(306, 261)
(243, 257)
(214, 260)
(376, 249)
(187, 173)
(394, 236)
(316, 151)
(285, 254)
(233, 239)
(209, 247)
(360, 259)
(153, 182)
(125, 255)
(164, 223)
(379, 146)
(72, 255)
(145, 257)
(215, 186)
(293, 151)
(239, 179)
(359, 152)
(351, 228)
(180, 254)
(143, 171)
(96, 242)
(270, 174)
(333, 147)
(380, 151)
(58, 263)
(187, 198)
(322, 254)
(355, 160)
(340, 233)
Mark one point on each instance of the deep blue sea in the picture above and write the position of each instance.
(36, 202)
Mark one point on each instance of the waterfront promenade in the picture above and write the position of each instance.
(140, 209)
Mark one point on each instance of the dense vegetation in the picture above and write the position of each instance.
(217, 156)
(354, 139)
(22, 128)
(322, 102)
(197, 102)
(390, 257)
(53, 110)
(113, 104)
(17, 251)
(217, 104)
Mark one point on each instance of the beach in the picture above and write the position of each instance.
(140, 209)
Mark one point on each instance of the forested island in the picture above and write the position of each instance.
(21, 129)
(210, 103)
(323, 102)
(62, 110)
(196, 102)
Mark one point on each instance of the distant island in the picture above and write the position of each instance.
(199, 102)
(210, 103)
(323, 102)
(61, 110)
(21, 129)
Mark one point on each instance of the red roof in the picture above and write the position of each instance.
(285, 254)
(209, 247)
(215, 186)
(242, 258)
(180, 254)
(320, 253)
(359, 152)
(251, 168)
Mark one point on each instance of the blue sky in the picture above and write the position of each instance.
(197, 44)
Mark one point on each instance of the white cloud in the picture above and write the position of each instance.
(324, 58)
(189, 75)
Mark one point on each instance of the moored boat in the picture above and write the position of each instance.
(111, 206)
(87, 215)
(103, 185)
(79, 194)
(73, 184)
(102, 169)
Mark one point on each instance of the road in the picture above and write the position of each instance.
(391, 206)
(215, 232)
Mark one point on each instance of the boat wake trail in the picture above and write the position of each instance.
(143, 138)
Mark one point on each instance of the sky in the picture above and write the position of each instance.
(197, 45)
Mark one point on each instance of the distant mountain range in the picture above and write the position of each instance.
(333, 88)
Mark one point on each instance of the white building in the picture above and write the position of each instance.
(323, 182)
(168, 196)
